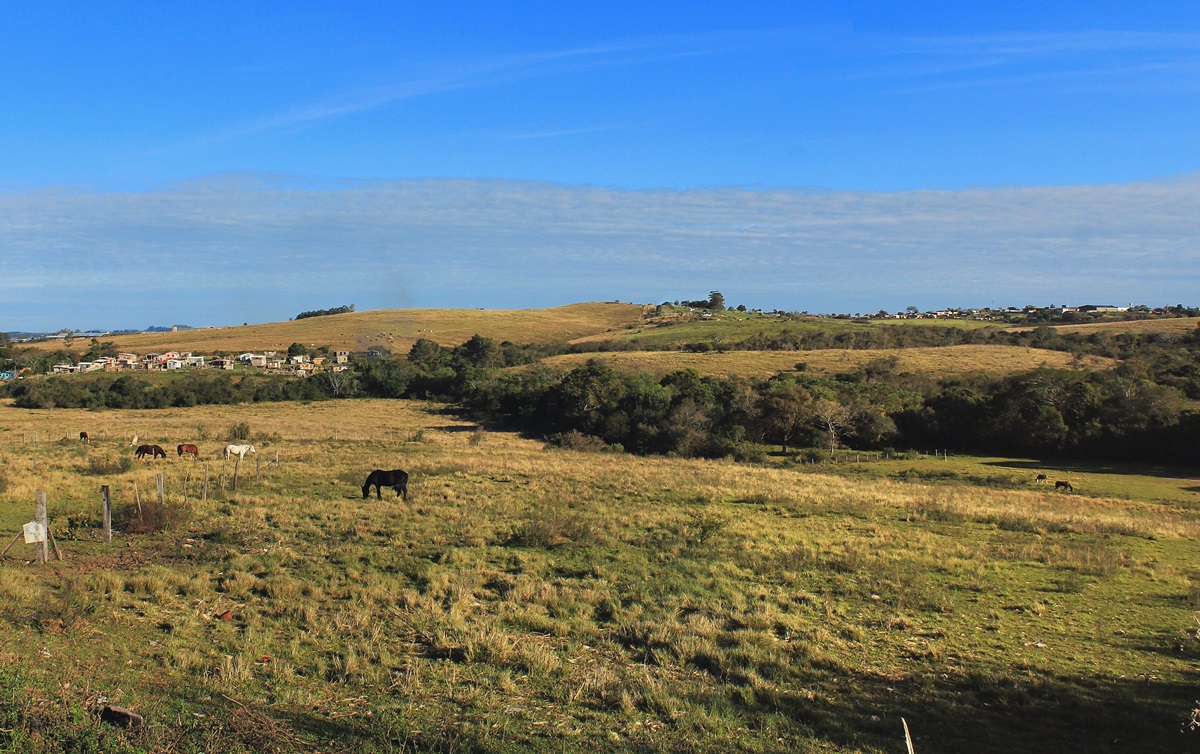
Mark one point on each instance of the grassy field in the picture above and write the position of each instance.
(1172, 325)
(526, 599)
(942, 362)
(394, 329)
(733, 327)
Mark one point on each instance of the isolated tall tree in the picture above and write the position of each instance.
(786, 408)
(716, 302)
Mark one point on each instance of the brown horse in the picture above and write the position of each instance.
(153, 451)
(1061, 485)
(188, 448)
(87, 440)
(397, 480)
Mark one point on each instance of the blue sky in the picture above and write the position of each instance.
(217, 163)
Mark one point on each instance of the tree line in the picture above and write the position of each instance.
(1135, 411)
(326, 312)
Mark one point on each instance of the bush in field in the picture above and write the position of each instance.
(239, 431)
(576, 440)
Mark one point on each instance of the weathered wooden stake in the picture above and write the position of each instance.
(161, 501)
(40, 517)
(204, 499)
(54, 544)
(137, 498)
(257, 478)
(13, 542)
(236, 464)
(104, 493)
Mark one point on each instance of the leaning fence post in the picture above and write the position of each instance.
(161, 502)
(40, 517)
(204, 499)
(107, 512)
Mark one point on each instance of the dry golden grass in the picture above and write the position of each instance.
(945, 361)
(527, 599)
(395, 329)
(1173, 325)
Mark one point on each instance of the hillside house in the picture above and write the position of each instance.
(63, 368)
(341, 357)
(222, 363)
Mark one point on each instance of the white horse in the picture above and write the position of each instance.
(238, 450)
(133, 442)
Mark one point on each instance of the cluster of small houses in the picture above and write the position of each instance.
(988, 314)
(298, 366)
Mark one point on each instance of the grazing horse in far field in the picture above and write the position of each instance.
(133, 441)
(189, 449)
(1040, 479)
(1061, 485)
(87, 440)
(238, 450)
(153, 451)
(396, 479)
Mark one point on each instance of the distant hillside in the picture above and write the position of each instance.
(946, 361)
(394, 329)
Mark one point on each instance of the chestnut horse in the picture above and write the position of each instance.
(188, 448)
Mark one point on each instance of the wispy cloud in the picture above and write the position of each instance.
(443, 76)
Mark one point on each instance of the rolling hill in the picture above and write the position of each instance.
(394, 329)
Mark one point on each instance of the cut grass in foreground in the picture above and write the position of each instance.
(538, 600)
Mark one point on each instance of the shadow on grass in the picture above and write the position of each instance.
(1097, 467)
(1013, 709)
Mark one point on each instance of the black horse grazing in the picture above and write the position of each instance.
(153, 451)
(1040, 479)
(1061, 485)
(396, 479)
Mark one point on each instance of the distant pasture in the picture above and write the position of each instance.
(938, 362)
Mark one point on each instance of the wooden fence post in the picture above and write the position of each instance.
(204, 499)
(161, 502)
(236, 464)
(107, 512)
(257, 478)
(40, 517)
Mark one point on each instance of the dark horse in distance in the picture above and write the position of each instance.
(153, 451)
(396, 479)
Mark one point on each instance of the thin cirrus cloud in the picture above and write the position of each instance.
(448, 76)
(260, 248)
